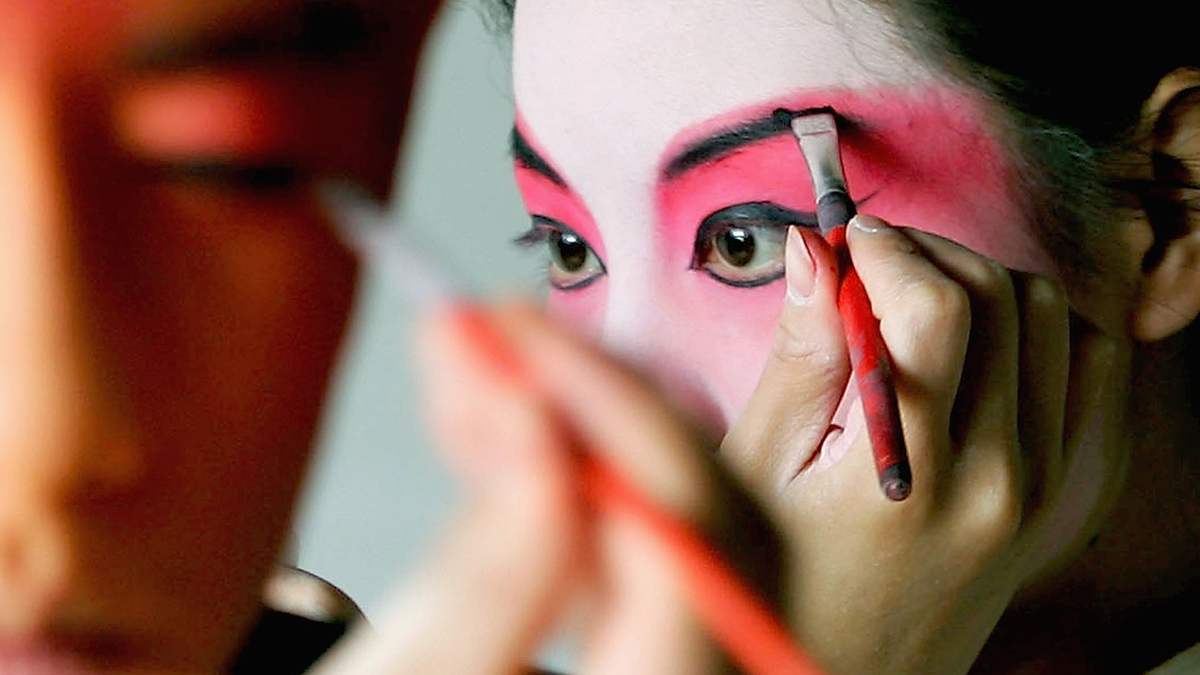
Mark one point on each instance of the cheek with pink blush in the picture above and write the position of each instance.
(723, 337)
(583, 309)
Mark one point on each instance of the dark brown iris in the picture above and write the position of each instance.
(569, 251)
(736, 246)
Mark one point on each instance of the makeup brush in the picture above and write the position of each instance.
(816, 132)
(734, 615)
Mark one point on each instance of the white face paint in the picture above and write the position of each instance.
(609, 90)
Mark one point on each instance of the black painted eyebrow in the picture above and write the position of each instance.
(723, 143)
(526, 156)
(332, 32)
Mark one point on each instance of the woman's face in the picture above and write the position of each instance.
(171, 304)
(646, 156)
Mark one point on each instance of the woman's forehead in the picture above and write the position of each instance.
(606, 84)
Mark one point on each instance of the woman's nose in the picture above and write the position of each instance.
(62, 439)
(641, 325)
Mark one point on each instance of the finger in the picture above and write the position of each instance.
(641, 621)
(1045, 342)
(480, 603)
(618, 416)
(987, 396)
(477, 606)
(629, 431)
(804, 377)
(613, 411)
(925, 320)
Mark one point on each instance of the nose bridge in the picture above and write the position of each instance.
(642, 325)
(58, 436)
(630, 314)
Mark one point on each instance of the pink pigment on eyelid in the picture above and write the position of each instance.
(543, 197)
(762, 173)
(925, 157)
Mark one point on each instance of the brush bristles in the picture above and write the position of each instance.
(822, 123)
(817, 135)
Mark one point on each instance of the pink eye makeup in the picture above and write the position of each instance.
(924, 157)
(665, 238)
(742, 245)
(212, 132)
(561, 224)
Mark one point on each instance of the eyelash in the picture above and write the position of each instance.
(543, 233)
(748, 218)
(752, 227)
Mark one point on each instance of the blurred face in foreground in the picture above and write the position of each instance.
(171, 301)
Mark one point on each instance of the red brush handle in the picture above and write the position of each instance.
(873, 370)
(734, 615)
(732, 612)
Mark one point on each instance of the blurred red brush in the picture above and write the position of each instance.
(740, 621)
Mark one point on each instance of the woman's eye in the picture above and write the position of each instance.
(748, 254)
(743, 245)
(573, 263)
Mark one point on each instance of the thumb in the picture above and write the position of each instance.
(805, 373)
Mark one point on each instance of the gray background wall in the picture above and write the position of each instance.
(377, 494)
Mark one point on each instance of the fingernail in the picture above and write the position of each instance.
(799, 267)
(869, 224)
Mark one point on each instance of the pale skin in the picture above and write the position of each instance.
(606, 93)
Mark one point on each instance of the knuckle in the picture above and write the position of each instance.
(992, 278)
(795, 347)
(939, 306)
(995, 514)
(1046, 293)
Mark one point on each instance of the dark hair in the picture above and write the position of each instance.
(500, 13)
(1071, 82)
(1073, 78)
